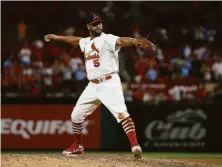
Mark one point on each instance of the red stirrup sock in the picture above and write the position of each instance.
(129, 128)
(77, 131)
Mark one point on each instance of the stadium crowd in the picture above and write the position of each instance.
(188, 64)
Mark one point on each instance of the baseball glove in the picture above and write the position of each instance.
(145, 46)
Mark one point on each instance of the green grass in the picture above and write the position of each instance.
(182, 155)
(178, 155)
(186, 155)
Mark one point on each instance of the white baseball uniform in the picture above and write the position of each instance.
(101, 60)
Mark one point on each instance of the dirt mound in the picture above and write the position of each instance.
(90, 160)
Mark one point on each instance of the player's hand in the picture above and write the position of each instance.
(51, 37)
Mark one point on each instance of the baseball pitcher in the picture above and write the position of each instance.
(102, 66)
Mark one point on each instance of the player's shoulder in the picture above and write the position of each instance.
(85, 39)
(108, 36)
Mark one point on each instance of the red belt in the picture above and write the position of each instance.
(97, 81)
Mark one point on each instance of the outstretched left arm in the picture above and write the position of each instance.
(125, 42)
(146, 46)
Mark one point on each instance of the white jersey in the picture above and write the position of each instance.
(101, 55)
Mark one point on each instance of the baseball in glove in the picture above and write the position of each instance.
(145, 46)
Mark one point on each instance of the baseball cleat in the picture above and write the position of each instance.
(74, 150)
(137, 152)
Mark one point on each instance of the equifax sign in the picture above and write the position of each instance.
(44, 127)
(28, 128)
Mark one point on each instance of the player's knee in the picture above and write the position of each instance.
(122, 116)
(77, 116)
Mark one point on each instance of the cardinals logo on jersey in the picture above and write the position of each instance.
(95, 55)
(93, 47)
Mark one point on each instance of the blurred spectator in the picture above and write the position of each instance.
(138, 95)
(8, 62)
(178, 68)
(27, 79)
(160, 97)
(25, 54)
(66, 73)
(22, 30)
(79, 73)
(184, 31)
(52, 52)
(64, 56)
(75, 62)
(206, 55)
(186, 52)
(199, 52)
(159, 54)
(38, 72)
(136, 30)
(38, 50)
(138, 79)
(67, 83)
(70, 31)
(205, 70)
(217, 94)
(184, 71)
(177, 92)
(200, 33)
(128, 94)
(82, 14)
(38, 44)
(108, 10)
(80, 78)
(211, 35)
(217, 69)
(47, 78)
(186, 67)
(141, 65)
(163, 32)
(147, 98)
(151, 74)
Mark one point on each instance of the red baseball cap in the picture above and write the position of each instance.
(93, 18)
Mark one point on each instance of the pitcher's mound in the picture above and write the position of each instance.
(90, 160)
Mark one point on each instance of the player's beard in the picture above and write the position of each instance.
(96, 32)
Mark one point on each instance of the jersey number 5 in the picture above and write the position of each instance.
(96, 63)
